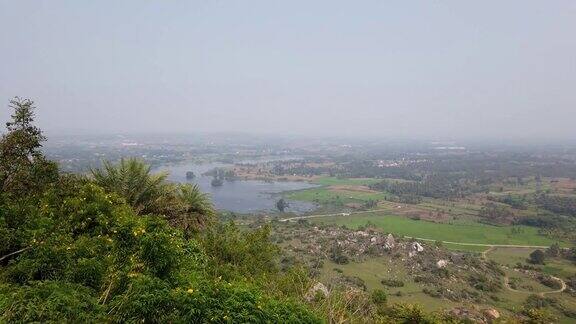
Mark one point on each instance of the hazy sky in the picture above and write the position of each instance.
(375, 68)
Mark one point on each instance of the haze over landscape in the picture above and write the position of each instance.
(212, 161)
(447, 69)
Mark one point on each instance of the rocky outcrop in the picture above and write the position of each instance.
(491, 314)
(441, 264)
(415, 248)
(389, 242)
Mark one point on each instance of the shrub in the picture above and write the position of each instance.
(50, 301)
(484, 283)
(392, 282)
(537, 257)
(379, 297)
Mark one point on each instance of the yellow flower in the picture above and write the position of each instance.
(190, 290)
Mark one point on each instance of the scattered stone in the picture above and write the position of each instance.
(491, 314)
(318, 288)
(417, 247)
(441, 264)
(389, 243)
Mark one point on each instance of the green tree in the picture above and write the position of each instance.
(182, 205)
(133, 180)
(537, 257)
(196, 206)
(282, 204)
(553, 250)
(23, 167)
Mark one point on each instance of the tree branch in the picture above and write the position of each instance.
(14, 253)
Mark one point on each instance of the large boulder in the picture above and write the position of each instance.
(491, 314)
(417, 247)
(441, 264)
(414, 249)
(389, 242)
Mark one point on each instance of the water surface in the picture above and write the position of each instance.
(242, 196)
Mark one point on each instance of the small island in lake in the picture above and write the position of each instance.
(217, 182)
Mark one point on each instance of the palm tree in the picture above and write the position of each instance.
(133, 180)
(182, 205)
(197, 205)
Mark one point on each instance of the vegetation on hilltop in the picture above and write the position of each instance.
(113, 248)
(125, 245)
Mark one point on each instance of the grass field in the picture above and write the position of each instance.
(465, 248)
(327, 196)
(461, 233)
(334, 181)
(372, 272)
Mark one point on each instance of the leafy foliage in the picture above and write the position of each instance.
(537, 257)
(183, 205)
(558, 204)
(434, 185)
(23, 168)
(232, 253)
(77, 251)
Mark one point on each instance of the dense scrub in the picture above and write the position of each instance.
(435, 186)
(558, 204)
(83, 250)
(125, 245)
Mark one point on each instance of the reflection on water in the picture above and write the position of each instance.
(242, 196)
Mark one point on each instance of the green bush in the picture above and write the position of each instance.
(101, 261)
(50, 301)
(379, 297)
(392, 283)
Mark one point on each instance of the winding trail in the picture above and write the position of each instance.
(507, 280)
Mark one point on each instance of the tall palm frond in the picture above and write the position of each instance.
(182, 205)
(133, 180)
(198, 206)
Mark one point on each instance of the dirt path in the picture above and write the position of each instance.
(331, 215)
(542, 293)
(507, 280)
(485, 252)
(490, 246)
(562, 282)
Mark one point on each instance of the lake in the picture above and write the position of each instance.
(241, 196)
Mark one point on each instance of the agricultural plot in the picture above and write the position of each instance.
(334, 181)
(327, 196)
(472, 233)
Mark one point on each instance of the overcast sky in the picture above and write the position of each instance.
(438, 69)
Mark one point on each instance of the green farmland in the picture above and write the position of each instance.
(472, 233)
(334, 181)
(327, 196)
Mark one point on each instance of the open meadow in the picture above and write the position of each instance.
(470, 233)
